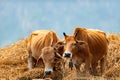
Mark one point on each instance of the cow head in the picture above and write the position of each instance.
(70, 45)
(59, 47)
(49, 57)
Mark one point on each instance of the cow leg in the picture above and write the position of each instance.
(34, 62)
(64, 67)
(94, 70)
(77, 66)
(87, 66)
(31, 62)
(102, 64)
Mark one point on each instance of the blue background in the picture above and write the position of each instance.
(18, 18)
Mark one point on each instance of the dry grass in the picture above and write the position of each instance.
(13, 62)
(113, 58)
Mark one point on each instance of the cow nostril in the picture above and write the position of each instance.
(67, 54)
(47, 72)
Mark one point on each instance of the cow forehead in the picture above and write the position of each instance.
(69, 38)
(47, 52)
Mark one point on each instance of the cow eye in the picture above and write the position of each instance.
(74, 44)
(64, 43)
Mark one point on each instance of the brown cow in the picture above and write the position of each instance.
(37, 41)
(59, 46)
(97, 42)
(79, 53)
(53, 62)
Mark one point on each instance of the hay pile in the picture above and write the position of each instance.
(113, 58)
(13, 61)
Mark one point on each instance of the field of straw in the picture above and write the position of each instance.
(13, 63)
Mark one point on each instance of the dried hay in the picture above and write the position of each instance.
(13, 62)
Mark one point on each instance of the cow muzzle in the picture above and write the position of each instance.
(68, 55)
(48, 72)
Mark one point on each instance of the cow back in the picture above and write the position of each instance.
(41, 39)
(96, 40)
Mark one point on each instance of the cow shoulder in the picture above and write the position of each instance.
(81, 33)
(28, 41)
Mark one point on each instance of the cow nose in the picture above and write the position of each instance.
(48, 72)
(67, 55)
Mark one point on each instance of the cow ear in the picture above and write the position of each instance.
(77, 41)
(40, 62)
(64, 34)
(51, 45)
(54, 49)
(81, 46)
(75, 35)
(58, 56)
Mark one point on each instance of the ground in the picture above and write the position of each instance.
(13, 62)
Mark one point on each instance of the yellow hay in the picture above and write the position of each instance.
(13, 62)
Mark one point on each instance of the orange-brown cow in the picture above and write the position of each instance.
(53, 62)
(97, 43)
(79, 53)
(59, 46)
(37, 41)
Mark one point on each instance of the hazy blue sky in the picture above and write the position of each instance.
(18, 18)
